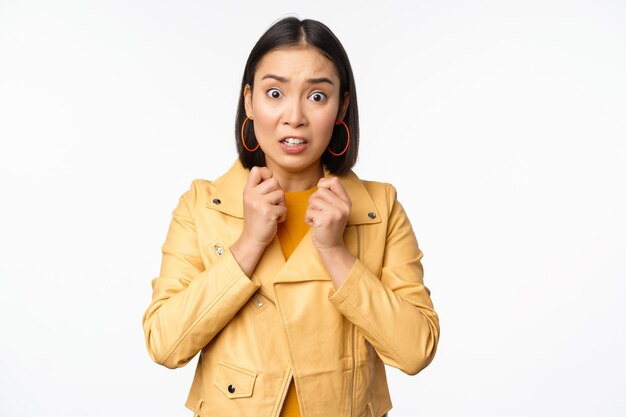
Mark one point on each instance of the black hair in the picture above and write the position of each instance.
(291, 31)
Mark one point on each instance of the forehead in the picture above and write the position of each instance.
(296, 62)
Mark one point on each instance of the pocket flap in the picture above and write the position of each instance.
(233, 381)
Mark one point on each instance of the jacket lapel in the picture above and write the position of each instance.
(304, 263)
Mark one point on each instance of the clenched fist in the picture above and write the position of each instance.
(263, 206)
(327, 213)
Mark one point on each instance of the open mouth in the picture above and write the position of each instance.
(293, 141)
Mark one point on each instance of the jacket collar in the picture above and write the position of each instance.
(228, 196)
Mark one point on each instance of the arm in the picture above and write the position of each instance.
(394, 311)
(191, 304)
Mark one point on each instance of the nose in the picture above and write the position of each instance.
(294, 114)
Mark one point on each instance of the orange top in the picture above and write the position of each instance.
(290, 233)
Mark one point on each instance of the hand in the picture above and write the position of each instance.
(327, 212)
(263, 206)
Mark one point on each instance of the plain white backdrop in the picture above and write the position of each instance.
(501, 123)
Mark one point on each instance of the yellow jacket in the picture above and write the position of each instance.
(255, 333)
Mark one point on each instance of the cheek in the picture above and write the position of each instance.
(325, 123)
(260, 107)
(265, 118)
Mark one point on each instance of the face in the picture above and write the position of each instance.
(294, 106)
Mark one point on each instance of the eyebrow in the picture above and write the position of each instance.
(310, 80)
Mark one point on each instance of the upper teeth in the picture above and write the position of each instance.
(294, 141)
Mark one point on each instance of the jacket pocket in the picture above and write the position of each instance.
(233, 381)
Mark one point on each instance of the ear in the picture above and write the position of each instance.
(247, 96)
(343, 107)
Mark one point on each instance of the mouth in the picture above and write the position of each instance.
(293, 141)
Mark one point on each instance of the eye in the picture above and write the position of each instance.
(274, 93)
(318, 97)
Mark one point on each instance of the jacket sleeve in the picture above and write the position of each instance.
(394, 311)
(191, 303)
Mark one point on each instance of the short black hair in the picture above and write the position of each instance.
(291, 31)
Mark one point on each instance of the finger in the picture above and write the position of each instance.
(309, 218)
(281, 213)
(316, 218)
(265, 173)
(267, 186)
(324, 214)
(334, 184)
(318, 204)
(277, 214)
(276, 197)
(314, 215)
(258, 175)
(326, 201)
(329, 197)
(254, 178)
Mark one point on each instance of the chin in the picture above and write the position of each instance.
(296, 164)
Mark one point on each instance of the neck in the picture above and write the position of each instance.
(293, 181)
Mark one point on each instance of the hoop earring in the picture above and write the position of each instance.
(243, 139)
(347, 144)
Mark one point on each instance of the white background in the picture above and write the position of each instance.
(501, 124)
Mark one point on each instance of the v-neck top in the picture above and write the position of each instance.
(292, 230)
(290, 233)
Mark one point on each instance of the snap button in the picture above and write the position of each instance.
(371, 215)
(231, 388)
(217, 201)
(218, 249)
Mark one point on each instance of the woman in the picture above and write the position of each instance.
(295, 280)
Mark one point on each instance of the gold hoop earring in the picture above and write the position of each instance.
(347, 144)
(243, 139)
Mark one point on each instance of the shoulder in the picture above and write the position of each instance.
(380, 192)
(385, 197)
(367, 193)
(198, 193)
(202, 189)
(383, 189)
